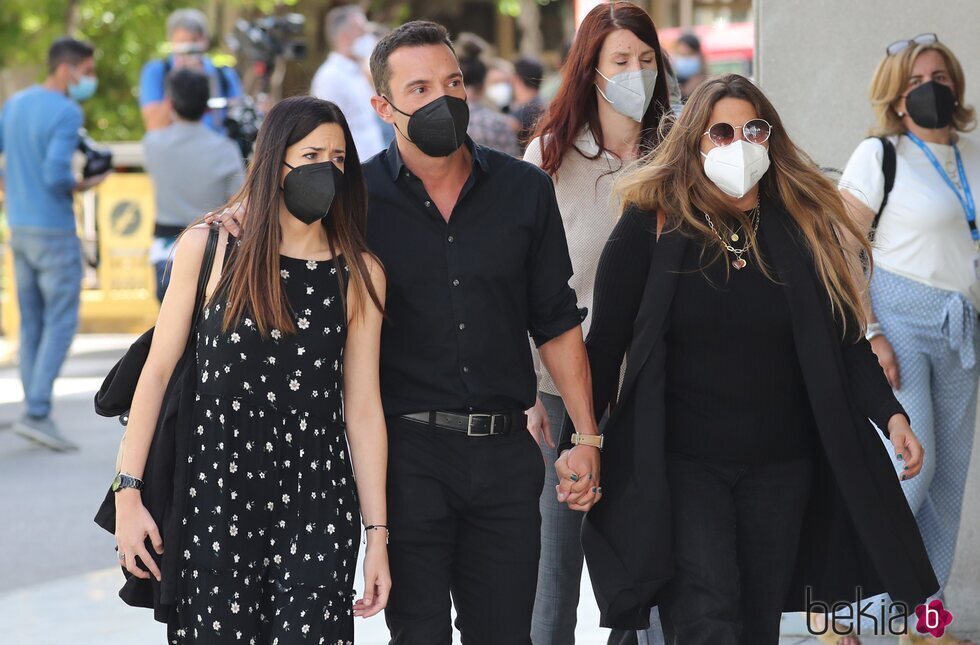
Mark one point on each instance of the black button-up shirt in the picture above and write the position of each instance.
(463, 295)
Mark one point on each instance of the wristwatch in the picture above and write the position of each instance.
(594, 440)
(125, 480)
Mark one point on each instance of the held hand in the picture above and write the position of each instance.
(133, 525)
(538, 424)
(886, 358)
(578, 475)
(907, 447)
(229, 218)
(377, 579)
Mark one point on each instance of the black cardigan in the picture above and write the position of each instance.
(858, 529)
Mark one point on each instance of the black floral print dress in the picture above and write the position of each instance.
(270, 535)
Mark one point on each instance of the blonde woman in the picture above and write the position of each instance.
(741, 476)
(925, 291)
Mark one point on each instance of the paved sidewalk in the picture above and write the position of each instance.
(89, 612)
(58, 579)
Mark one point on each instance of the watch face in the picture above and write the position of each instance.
(123, 480)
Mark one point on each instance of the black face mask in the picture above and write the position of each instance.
(438, 128)
(309, 190)
(931, 105)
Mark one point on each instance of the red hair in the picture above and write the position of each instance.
(575, 105)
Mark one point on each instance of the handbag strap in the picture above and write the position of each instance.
(204, 276)
(888, 163)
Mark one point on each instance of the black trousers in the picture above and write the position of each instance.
(464, 520)
(736, 531)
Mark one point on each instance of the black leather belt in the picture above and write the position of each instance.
(472, 425)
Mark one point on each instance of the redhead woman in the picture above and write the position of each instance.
(741, 473)
(606, 115)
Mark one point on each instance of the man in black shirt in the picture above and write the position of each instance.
(476, 257)
(475, 254)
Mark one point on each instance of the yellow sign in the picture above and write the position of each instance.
(124, 223)
(123, 297)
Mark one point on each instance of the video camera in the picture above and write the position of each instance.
(242, 120)
(261, 42)
(270, 37)
(98, 160)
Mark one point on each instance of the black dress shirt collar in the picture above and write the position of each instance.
(396, 165)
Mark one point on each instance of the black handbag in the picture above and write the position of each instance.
(165, 471)
(115, 397)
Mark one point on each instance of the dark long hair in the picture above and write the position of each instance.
(251, 278)
(576, 104)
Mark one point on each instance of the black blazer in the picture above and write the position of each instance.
(858, 529)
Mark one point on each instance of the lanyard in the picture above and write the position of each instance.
(966, 197)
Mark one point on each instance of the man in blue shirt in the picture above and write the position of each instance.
(38, 136)
(187, 31)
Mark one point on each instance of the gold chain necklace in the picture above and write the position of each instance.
(739, 262)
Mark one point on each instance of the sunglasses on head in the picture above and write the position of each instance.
(899, 46)
(754, 131)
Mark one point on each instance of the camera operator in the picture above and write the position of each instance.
(187, 31)
(193, 169)
(38, 136)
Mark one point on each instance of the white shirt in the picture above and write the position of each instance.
(589, 212)
(923, 233)
(340, 80)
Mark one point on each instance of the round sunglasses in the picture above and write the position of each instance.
(754, 131)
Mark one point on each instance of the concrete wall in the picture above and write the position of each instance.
(814, 61)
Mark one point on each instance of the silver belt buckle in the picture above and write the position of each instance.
(469, 425)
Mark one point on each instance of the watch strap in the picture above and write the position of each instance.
(125, 480)
(594, 440)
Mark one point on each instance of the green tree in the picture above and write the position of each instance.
(126, 34)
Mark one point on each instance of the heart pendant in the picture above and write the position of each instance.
(739, 264)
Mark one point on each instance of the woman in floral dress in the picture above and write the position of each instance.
(287, 407)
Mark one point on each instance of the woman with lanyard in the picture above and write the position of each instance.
(606, 115)
(925, 287)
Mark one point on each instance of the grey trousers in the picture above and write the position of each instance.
(560, 567)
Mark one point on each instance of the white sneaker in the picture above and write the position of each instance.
(43, 431)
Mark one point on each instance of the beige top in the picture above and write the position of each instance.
(589, 212)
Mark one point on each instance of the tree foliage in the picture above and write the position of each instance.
(128, 33)
(125, 33)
